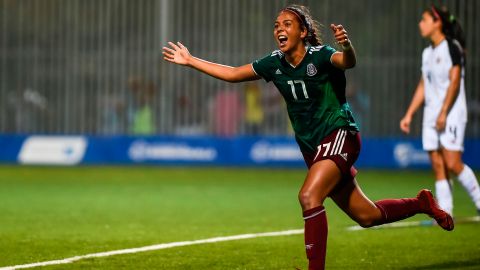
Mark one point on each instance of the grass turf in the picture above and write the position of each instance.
(49, 213)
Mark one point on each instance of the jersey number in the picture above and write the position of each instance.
(292, 86)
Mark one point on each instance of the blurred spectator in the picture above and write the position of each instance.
(276, 117)
(140, 111)
(226, 113)
(359, 102)
(114, 115)
(29, 110)
(254, 114)
(189, 109)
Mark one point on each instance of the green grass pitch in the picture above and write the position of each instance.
(49, 213)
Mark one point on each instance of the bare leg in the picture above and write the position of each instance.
(357, 206)
(453, 161)
(321, 179)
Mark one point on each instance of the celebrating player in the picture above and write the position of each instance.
(311, 78)
(442, 91)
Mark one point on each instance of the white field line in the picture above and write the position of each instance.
(154, 247)
(405, 224)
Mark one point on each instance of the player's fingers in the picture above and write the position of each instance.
(405, 126)
(168, 50)
(168, 59)
(339, 27)
(333, 27)
(181, 45)
(174, 46)
(341, 32)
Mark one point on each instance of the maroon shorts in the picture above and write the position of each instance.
(342, 147)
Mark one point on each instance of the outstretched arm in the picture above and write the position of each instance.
(417, 101)
(345, 59)
(179, 54)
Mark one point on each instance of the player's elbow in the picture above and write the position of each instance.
(350, 64)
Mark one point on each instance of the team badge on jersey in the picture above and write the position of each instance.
(311, 70)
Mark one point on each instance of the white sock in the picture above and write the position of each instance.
(470, 183)
(444, 195)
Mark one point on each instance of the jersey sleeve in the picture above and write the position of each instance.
(455, 53)
(263, 67)
(326, 55)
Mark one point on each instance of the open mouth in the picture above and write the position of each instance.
(282, 39)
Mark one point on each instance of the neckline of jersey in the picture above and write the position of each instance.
(435, 47)
(301, 61)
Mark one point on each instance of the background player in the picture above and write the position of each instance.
(311, 79)
(442, 91)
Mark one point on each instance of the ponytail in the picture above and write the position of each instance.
(306, 22)
(456, 31)
(451, 28)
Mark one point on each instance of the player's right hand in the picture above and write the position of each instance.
(405, 124)
(177, 54)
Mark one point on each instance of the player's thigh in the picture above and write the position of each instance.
(452, 145)
(453, 136)
(351, 199)
(321, 179)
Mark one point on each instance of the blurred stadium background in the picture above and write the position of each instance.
(84, 82)
(95, 68)
(85, 67)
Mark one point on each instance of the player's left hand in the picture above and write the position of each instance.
(441, 122)
(340, 34)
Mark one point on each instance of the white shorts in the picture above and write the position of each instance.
(451, 138)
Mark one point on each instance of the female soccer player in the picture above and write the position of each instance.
(442, 91)
(310, 76)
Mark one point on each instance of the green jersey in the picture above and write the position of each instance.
(314, 92)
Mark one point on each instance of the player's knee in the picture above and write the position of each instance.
(304, 197)
(365, 221)
(307, 199)
(455, 166)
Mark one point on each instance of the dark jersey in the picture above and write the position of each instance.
(314, 92)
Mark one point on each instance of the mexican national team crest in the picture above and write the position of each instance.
(311, 70)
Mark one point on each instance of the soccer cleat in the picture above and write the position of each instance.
(430, 207)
